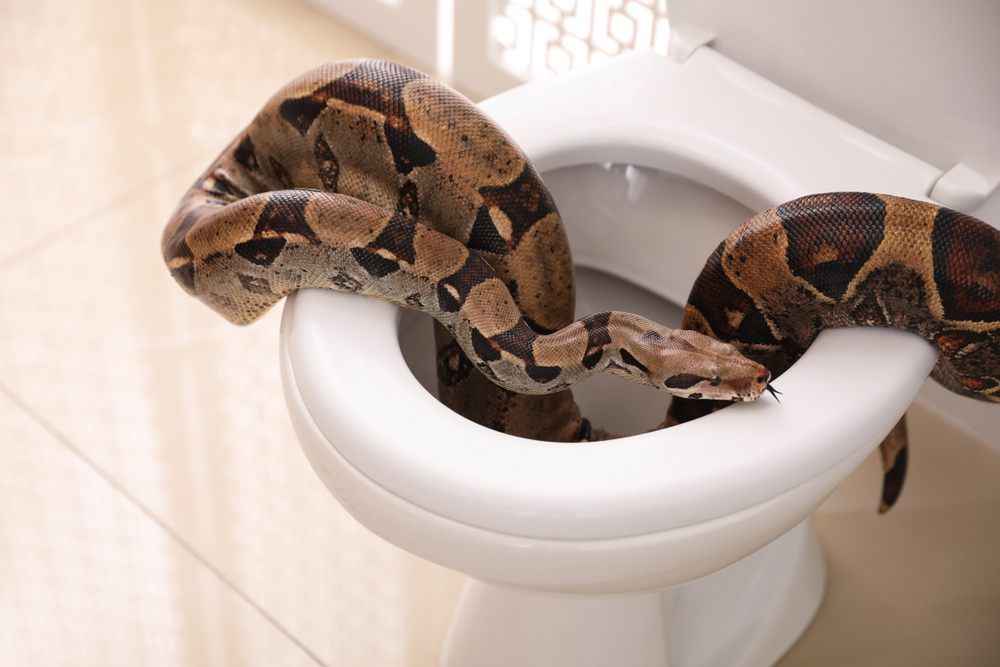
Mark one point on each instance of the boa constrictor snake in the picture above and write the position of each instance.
(370, 177)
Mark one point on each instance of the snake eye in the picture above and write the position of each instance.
(716, 381)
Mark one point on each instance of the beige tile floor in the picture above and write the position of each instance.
(154, 505)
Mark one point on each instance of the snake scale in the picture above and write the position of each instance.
(370, 177)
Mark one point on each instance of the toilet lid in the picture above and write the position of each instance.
(920, 75)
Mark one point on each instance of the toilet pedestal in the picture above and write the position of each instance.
(745, 615)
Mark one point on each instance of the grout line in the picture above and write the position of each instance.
(96, 214)
(173, 534)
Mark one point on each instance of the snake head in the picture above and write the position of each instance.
(691, 365)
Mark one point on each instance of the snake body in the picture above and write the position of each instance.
(370, 177)
(849, 259)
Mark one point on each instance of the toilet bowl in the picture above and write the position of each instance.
(688, 546)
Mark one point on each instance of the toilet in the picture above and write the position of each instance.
(691, 546)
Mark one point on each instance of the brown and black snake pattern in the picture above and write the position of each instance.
(369, 177)
(851, 259)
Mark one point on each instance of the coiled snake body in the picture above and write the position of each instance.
(369, 177)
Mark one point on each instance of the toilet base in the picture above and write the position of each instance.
(745, 615)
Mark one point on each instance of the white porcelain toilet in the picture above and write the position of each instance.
(684, 547)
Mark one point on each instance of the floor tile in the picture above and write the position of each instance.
(87, 579)
(918, 586)
(187, 412)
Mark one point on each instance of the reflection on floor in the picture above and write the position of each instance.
(155, 506)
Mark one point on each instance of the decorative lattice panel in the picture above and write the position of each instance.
(535, 39)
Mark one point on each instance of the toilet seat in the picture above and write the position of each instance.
(651, 510)
(341, 358)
